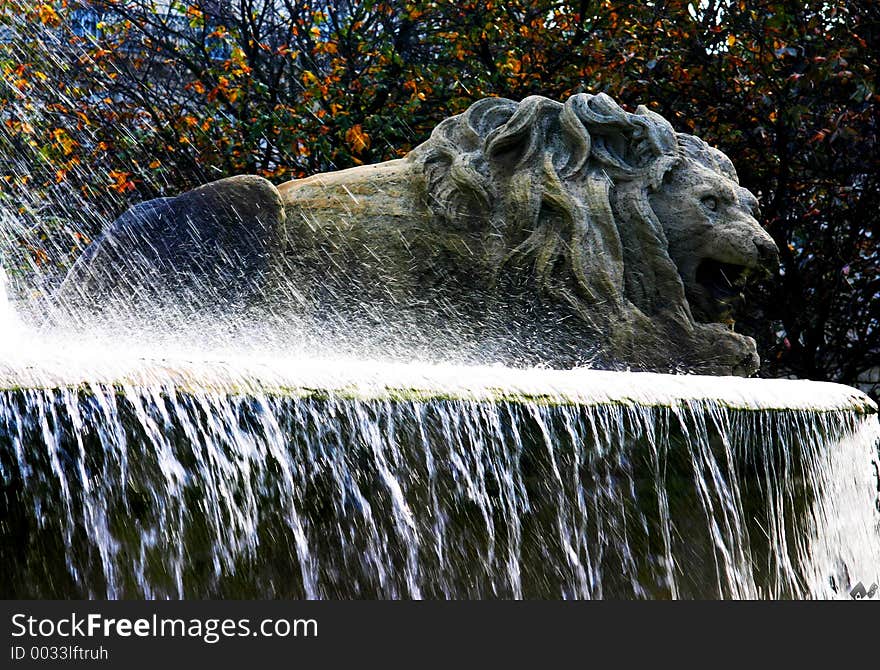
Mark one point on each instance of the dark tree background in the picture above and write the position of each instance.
(106, 103)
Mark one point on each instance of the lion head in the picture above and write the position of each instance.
(712, 230)
(644, 232)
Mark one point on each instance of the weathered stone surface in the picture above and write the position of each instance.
(538, 231)
(631, 235)
(212, 243)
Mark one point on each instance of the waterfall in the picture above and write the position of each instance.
(127, 476)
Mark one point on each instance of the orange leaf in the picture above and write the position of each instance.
(357, 139)
(48, 15)
(120, 181)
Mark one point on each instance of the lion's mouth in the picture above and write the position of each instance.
(722, 285)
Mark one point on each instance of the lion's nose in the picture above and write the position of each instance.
(768, 254)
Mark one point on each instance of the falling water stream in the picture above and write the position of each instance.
(131, 473)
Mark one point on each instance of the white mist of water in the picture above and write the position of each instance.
(155, 472)
(10, 327)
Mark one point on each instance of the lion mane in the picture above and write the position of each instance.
(562, 189)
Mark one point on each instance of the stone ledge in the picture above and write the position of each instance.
(366, 380)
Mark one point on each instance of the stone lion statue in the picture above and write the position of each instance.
(536, 231)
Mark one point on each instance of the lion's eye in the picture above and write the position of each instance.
(710, 202)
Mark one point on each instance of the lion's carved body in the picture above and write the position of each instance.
(571, 232)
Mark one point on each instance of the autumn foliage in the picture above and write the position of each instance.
(147, 103)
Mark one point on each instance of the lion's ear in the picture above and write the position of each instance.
(659, 138)
(660, 145)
